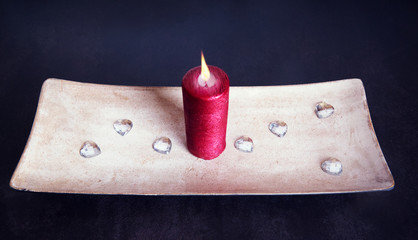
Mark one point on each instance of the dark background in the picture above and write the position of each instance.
(256, 43)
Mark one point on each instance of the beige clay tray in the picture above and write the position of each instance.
(70, 113)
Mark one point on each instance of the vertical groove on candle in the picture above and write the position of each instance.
(205, 113)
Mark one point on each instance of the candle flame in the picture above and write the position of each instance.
(205, 70)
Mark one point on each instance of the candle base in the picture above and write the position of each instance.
(204, 153)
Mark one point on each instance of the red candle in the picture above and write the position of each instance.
(205, 101)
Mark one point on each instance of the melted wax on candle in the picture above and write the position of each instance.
(206, 83)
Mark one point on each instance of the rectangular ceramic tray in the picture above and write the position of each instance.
(70, 113)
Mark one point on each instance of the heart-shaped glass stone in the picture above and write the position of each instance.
(324, 110)
(122, 126)
(162, 145)
(244, 144)
(332, 166)
(278, 128)
(89, 149)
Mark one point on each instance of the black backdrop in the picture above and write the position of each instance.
(256, 43)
